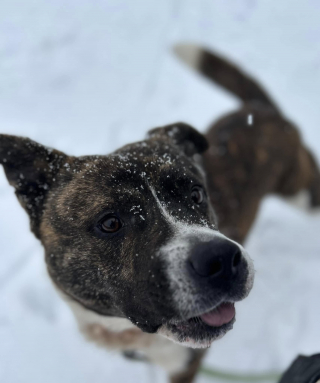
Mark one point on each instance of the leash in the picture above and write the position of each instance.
(272, 376)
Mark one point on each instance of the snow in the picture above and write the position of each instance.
(87, 77)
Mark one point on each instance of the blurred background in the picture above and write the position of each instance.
(88, 76)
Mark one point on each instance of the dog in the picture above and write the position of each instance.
(131, 239)
(131, 242)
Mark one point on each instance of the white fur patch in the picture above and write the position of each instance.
(176, 252)
(166, 354)
(301, 200)
(188, 342)
(189, 53)
(87, 317)
(170, 356)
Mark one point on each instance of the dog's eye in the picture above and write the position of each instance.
(111, 224)
(197, 195)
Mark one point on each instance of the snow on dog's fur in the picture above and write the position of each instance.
(131, 238)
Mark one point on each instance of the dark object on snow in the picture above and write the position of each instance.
(305, 369)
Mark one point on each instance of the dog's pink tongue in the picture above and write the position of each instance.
(222, 314)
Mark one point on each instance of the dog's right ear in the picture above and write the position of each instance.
(31, 169)
(182, 135)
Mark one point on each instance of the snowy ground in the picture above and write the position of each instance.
(86, 77)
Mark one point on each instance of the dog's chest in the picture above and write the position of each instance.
(114, 333)
(129, 339)
(121, 335)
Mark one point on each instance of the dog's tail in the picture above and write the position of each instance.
(224, 73)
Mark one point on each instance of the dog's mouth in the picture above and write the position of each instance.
(201, 330)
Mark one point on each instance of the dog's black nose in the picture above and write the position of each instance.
(215, 258)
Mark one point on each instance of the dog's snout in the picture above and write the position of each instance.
(216, 258)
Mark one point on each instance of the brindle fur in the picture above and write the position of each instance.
(266, 157)
(249, 159)
(64, 197)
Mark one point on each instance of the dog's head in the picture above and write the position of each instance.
(132, 234)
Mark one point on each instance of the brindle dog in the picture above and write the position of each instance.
(131, 242)
(131, 239)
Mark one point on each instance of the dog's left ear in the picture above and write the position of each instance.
(31, 169)
(183, 136)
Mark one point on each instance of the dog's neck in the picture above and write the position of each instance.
(120, 334)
